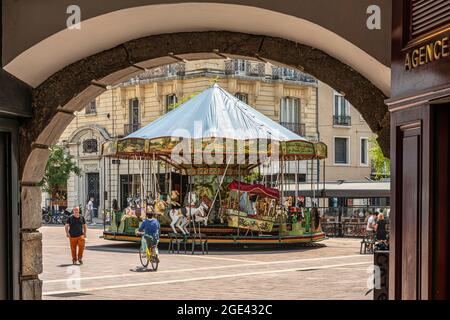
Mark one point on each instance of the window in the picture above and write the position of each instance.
(290, 110)
(426, 16)
(90, 146)
(240, 66)
(341, 150)
(341, 114)
(364, 152)
(91, 108)
(242, 96)
(134, 116)
(171, 100)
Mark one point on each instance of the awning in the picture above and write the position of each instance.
(361, 189)
(257, 189)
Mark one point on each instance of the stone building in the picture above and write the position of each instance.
(347, 135)
(286, 96)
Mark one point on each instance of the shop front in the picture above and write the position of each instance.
(420, 117)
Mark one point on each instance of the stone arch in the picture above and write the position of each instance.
(71, 88)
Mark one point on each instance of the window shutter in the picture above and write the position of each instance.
(427, 15)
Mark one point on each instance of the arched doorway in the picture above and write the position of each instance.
(64, 86)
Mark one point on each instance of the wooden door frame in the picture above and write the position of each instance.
(10, 126)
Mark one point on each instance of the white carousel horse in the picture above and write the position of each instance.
(181, 217)
(281, 214)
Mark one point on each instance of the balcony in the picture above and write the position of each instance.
(245, 68)
(130, 128)
(166, 71)
(282, 73)
(298, 128)
(345, 121)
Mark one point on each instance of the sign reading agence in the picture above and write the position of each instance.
(428, 53)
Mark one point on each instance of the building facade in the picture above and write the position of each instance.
(294, 99)
(347, 135)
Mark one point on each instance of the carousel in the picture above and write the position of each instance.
(224, 168)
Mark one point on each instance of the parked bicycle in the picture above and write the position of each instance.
(54, 216)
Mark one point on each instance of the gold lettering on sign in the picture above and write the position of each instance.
(428, 53)
(445, 47)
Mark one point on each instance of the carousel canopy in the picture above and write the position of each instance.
(214, 123)
(215, 113)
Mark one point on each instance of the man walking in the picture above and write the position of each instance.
(76, 232)
(89, 210)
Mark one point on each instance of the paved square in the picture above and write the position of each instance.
(112, 270)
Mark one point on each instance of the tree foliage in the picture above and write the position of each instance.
(380, 164)
(59, 166)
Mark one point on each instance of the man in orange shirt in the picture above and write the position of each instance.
(76, 231)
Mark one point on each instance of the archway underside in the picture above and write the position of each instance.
(71, 88)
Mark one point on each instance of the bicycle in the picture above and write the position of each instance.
(147, 252)
(55, 217)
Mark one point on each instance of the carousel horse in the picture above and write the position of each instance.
(175, 198)
(181, 217)
(281, 214)
(160, 206)
(271, 205)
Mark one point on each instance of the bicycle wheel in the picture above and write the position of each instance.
(143, 256)
(154, 260)
(46, 219)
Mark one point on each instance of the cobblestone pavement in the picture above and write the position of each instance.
(111, 270)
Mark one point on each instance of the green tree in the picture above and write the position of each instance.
(380, 164)
(59, 166)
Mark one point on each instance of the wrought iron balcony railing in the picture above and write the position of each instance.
(166, 71)
(283, 73)
(245, 68)
(130, 128)
(298, 128)
(342, 121)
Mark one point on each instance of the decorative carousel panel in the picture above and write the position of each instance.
(321, 150)
(109, 148)
(202, 171)
(240, 220)
(297, 149)
(131, 146)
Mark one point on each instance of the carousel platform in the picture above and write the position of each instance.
(228, 236)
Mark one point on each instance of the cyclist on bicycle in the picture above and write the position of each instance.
(151, 229)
